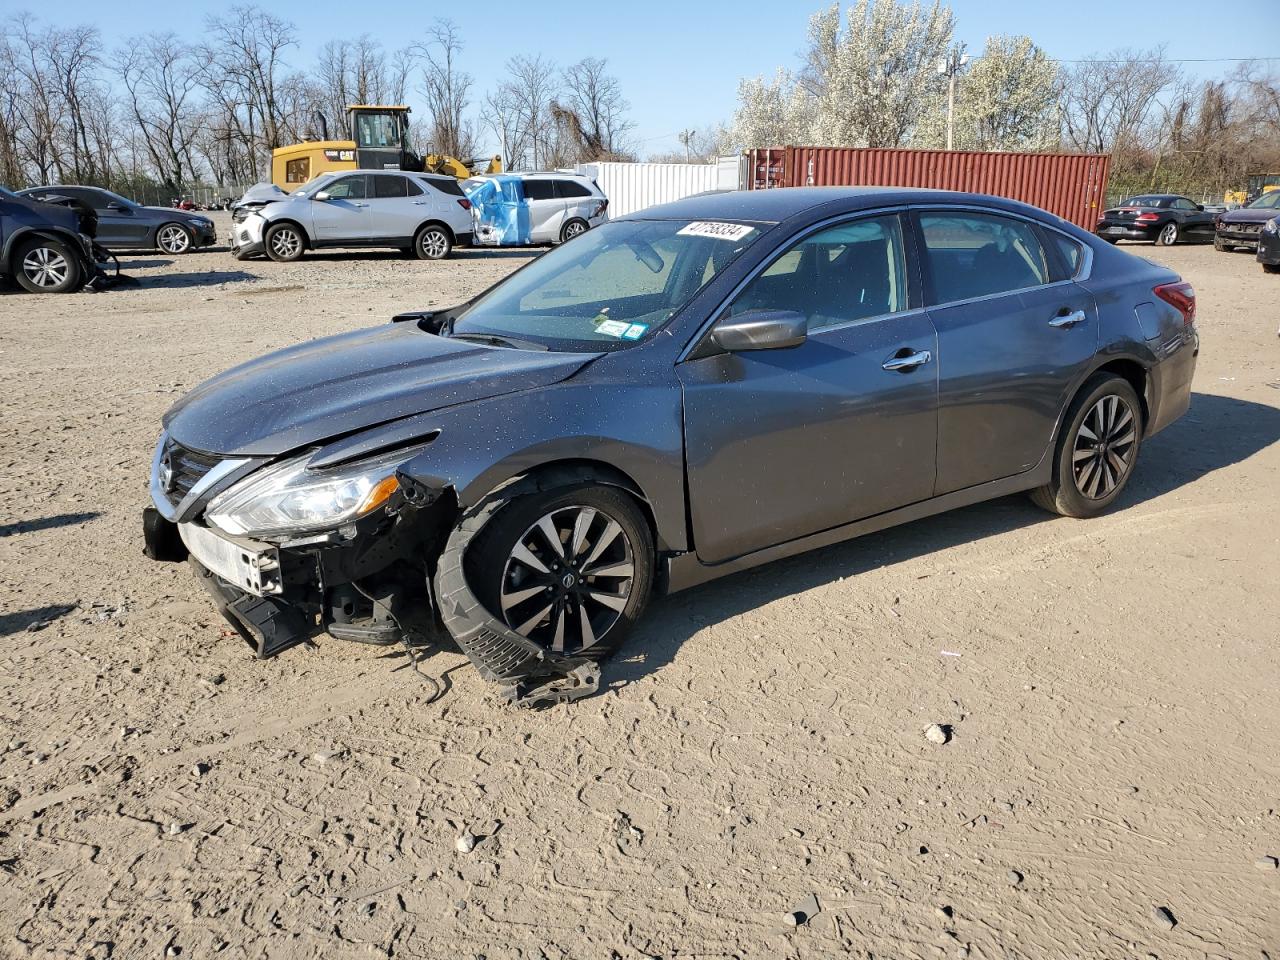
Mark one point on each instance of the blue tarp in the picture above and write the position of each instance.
(502, 213)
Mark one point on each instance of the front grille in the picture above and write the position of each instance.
(188, 466)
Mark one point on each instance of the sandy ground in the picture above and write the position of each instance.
(1112, 686)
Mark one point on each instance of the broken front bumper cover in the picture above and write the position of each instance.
(278, 596)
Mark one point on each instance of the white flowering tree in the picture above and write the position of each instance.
(1006, 100)
(869, 81)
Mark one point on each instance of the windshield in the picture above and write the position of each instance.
(614, 285)
(314, 185)
(7, 195)
(1268, 201)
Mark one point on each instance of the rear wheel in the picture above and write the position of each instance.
(1096, 451)
(574, 228)
(433, 242)
(174, 238)
(570, 570)
(1271, 268)
(1168, 235)
(284, 242)
(47, 266)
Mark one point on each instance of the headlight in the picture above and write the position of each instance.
(1271, 226)
(198, 221)
(291, 498)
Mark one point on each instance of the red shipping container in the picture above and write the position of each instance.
(1071, 185)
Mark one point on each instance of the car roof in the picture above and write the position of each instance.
(776, 205)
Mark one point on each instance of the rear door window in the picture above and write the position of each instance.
(386, 187)
(972, 255)
(451, 186)
(539, 190)
(1070, 253)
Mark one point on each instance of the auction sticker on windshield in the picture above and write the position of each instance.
(720, 231)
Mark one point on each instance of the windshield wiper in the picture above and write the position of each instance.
(495, 341)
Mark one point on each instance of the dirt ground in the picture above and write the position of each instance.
(1112, 686)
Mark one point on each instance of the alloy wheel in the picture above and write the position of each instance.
(568, 579)
(573, 230)
(173, 239)
(45, 267)
(1102, 455)
(434, 244)
(1169, 235)
(285, 243)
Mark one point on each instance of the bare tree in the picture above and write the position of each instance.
(593, 106)
(532, 86)
(162, 78)
(447, 88)
(1109, 103)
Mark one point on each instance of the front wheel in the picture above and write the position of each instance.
(1096, 451)
(284, 243)
(570, 570)
(174, 238)
(47, 266)
(1168, 235)
(1271, 268)
(433, 243)
(1220, 245)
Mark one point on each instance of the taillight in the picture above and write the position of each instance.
(464, 203)
(1182, 295)
(604, 205)
(1148, 217)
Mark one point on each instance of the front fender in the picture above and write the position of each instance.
(634, 429)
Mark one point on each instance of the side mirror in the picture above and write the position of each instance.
(761, 330)
(1200, 207)
(114, 206)
(322, 196)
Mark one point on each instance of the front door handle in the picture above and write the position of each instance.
(907, 363)
(360, 205)
(1068, 320)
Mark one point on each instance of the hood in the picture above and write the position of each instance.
(1250, 215)
(172, 211)
(326, 388)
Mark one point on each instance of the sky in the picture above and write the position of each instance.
(679, 63)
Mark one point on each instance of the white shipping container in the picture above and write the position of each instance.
(634, 186)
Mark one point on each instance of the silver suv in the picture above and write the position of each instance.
(561, 206)
(422, 212)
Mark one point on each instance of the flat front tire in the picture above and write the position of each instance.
(284, 243)
(47, 266)
(1096, 450)
(571, 570)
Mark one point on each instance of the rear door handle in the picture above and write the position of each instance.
(1068, 319)
(907, 363)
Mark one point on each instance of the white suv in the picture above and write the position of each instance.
(561, 206)
(422, 212)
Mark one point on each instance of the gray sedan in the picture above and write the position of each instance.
(677, 395)
(125, 225)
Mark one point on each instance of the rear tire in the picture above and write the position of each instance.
(1271, 268)
(1168, 235)
(614, 537)
(284, 242)
(433, 242)
(1096, 450)
(47, 266)
(574, 228)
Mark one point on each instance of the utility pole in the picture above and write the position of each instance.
(950, 67)
(686, 137)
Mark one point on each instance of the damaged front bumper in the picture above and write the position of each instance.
(395, 576)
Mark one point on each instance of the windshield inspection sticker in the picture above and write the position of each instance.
(635, 331)
(720, 231)
(613, 328)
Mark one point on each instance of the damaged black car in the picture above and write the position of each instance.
(675, 396)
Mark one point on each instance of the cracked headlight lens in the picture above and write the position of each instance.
(290, 497)
(1272, 226)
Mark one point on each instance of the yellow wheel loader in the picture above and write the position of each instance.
(379, 141)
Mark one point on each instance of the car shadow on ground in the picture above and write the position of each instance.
(207, 278)
(47, 523)
(1216, 433)
(127, 262)
(35, 619)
